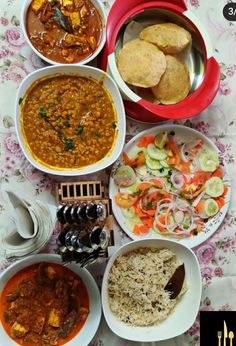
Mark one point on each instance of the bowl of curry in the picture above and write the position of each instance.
(44, 303)
(70, 120)
(64, 31)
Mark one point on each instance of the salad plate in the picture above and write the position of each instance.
(170, 182)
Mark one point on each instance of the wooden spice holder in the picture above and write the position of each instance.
(85, 191)
(80, 191)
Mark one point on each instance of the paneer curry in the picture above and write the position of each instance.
(44, 304)
(68, 121)
(65, 31)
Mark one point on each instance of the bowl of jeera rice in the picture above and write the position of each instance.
(70, 120)
(151, 290)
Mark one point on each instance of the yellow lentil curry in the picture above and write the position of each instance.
(68, 121)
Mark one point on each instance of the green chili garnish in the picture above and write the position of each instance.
(42, 112)
(69, 144)
(67, 123)
(149, 204)
(79, 129)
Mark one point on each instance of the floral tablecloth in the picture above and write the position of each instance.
(217, 256)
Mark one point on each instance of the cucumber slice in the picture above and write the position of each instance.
(142, 171)
(124, 176)
(131, 218)
(160, 140)
(179, 216)
(129, 213)
(209, 161)
(131, 222)
(155, 153)
(211, 207)
(152, 163)
(164, 163)
(163, 172)
(214, 187)
(132, 188)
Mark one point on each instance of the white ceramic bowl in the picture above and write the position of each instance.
(91, 325)
(99, 6)
(111, 87)
(185, 312)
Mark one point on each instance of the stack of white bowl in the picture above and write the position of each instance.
(29, 227)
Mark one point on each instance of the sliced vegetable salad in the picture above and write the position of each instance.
(169, 186)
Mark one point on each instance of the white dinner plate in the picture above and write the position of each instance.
(187, 134)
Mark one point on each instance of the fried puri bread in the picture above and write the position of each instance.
(141, 63)
(168, 37)
(175, 84)
(146, 94)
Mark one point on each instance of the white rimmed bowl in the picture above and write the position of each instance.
(91, 325)
(86, 71)
(185, 312)
(99, 6)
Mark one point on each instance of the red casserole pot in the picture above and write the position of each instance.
(204, 69)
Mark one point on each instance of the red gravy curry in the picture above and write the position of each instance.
(44, 304)
(65, 31)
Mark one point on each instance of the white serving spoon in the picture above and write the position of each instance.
(24, 223)
(23, 217)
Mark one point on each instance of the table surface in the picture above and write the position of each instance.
(217, 255)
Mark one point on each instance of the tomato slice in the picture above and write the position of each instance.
(176, 161)
(200, 177)
(147, 221)
(140, 229)
(144, 186)
(125, 200)
(157, 183)
(127, 160)
(218, 173)
(220, 201)
(139, 211)
(139, 160)
(145, 141)
(190, 193)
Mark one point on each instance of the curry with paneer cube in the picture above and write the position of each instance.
(65, 31)
(44, 304)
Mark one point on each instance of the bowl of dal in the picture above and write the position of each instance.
(151, 290)
(161, 57)
(70, 120)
